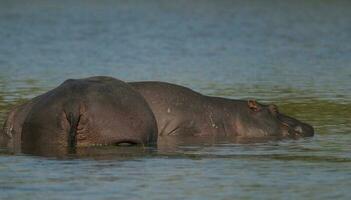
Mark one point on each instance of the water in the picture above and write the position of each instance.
(293, 53)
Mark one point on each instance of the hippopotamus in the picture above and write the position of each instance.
(80, 113)
(182, 112)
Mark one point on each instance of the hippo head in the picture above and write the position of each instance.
(266, 120)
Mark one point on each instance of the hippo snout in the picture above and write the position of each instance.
(296, 127)
(304, 130)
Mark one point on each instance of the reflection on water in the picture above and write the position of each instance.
(292, 53)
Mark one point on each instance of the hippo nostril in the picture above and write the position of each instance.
(298, 129)
(304, 130)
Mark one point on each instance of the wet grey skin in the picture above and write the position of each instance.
(93, 111)
(181, 111)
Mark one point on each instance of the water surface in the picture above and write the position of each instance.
(293, 53)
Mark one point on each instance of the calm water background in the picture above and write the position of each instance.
(296, 54)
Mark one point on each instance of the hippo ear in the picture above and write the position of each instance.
(253, 105)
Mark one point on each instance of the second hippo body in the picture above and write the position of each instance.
(181, 111)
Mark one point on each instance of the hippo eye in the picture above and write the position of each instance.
(274, 109)
(253, 105)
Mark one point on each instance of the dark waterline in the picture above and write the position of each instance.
(293, 53)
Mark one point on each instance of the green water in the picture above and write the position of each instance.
(295, 54)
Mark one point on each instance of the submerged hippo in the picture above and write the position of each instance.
(184, 112)
(82, 112)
